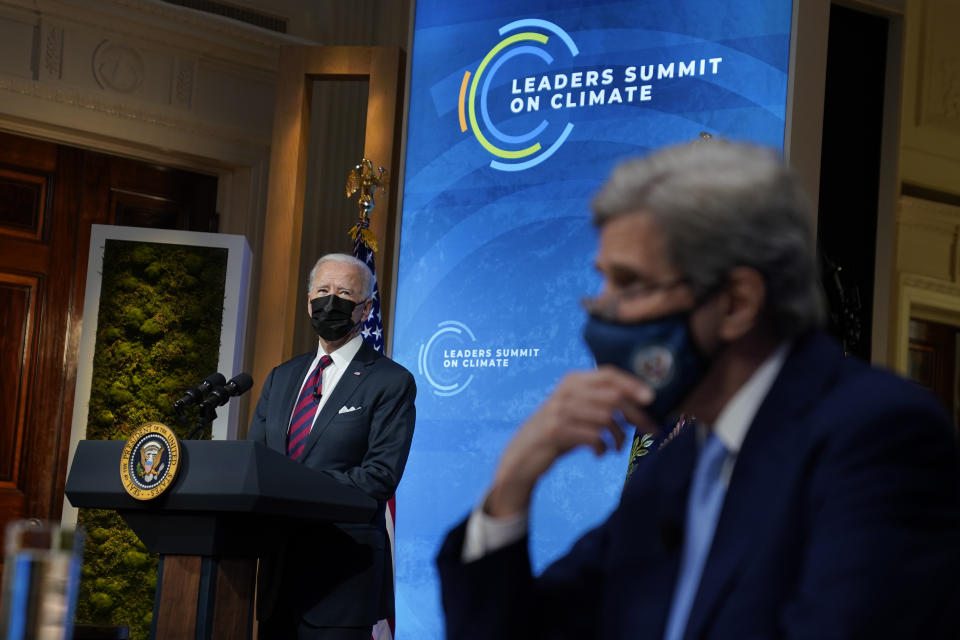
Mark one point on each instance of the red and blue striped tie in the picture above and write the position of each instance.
(306, 409)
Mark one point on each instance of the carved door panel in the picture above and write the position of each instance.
(49, 196)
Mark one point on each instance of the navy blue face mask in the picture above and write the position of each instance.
(661, 352)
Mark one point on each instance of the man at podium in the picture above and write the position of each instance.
(347, 411)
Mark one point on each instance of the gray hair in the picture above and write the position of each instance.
(722, 205)
(365, 274)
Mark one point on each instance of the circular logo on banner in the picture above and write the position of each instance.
(150, 461)
(519, 100)
(529, 148)
(446, 331)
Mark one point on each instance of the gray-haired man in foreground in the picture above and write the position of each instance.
(817, 497)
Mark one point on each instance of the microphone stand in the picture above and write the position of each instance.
(208, 413)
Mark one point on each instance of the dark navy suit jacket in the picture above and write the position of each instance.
(841, 520)
(342, 575)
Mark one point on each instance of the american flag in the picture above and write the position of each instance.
(372, 332)
(372, 329)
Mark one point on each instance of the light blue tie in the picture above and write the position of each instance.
(703, 509)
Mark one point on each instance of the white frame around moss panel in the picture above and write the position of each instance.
(236, 288)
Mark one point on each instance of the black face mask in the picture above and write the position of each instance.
(331, 316)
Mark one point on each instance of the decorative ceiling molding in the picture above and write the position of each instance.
(925, 283)
(939, 76)
(83, 100)
(210, 35)
(117, 66)
(926, 213)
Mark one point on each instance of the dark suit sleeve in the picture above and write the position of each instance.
(882, 525)
(388, 444)
(497, 596)
(258, 426)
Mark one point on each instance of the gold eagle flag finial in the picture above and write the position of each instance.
(364, 179)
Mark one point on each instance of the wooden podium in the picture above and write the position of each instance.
(231, 499)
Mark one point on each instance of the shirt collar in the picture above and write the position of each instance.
(736, 416)
(344, 355)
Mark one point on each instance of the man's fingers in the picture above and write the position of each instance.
(610, 378)
(586, 409)
(573, 436)
(605, 398)
(599, 419)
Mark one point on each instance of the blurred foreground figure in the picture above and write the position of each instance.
(815, 497)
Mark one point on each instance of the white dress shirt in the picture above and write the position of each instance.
(486, 534)
(332, 373)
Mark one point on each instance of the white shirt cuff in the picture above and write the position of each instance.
(485, 534)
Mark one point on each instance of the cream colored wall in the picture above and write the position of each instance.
(927, 257)
(928, 269)
(930, 128)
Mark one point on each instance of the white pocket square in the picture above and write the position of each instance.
(346, 409)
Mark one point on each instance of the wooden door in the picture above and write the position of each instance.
(933, 361)
(49, 196)
(39, 212)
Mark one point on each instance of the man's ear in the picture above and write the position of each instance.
(746, 294)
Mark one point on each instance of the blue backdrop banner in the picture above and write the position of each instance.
(518, 111)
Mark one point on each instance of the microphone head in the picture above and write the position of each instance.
(219, 395)
(212, 381)
(240, 384)
(190, 396)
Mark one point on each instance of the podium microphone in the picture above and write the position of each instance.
(238, 385)
(194, 395)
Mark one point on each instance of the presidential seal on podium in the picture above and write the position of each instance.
(150, 460)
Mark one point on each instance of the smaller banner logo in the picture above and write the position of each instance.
(453, 357)
(150, 461)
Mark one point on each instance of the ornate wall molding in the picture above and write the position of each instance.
(185, 17)
(932, 285)
(935, 227)
(136, 60)
(951, 87)
(117, 67)
(53, 52)
(210, 34)
(940, 75)
(84, 101)
(920, 296)
(930, 131)
(936, 216)
(183, 84)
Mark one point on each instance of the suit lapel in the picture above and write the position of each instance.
(356, 373)
(653, 510)
(678, 458)
(763, 464)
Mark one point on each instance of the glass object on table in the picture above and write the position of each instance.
(41, 579)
